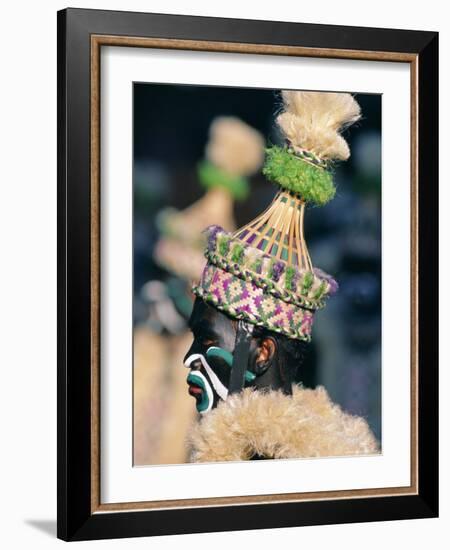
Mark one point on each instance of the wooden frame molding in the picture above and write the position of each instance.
(97, 41)
(81, 36)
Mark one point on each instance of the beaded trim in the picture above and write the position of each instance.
(309, 156)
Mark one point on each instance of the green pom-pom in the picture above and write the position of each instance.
(257, 265)
(223, 244)
(319, 292)
(312, 183)
(237, 253)
(270, 269)
(210, 176)
(307, 282)
(289, 277)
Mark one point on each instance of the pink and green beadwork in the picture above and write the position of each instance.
(307, 288)
(242, 299)
(247, 283)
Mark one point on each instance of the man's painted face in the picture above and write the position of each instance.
(210, 356)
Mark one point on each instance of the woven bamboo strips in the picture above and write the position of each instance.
(280, 226)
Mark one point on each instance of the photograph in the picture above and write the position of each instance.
(256, 274)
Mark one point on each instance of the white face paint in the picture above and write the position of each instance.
(220, 389)
(206, 402)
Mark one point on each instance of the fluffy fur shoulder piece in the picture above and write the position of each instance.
(273, 425)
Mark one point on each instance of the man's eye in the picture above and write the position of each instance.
(205, 340)
(208, 341)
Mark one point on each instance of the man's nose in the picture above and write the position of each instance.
(188, 354)
(194, 349)
(193, 363)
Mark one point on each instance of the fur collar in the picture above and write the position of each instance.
(273, 425)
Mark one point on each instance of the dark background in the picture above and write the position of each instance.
(171, 124)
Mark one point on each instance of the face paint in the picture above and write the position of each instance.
(200, 386)
(203, 383)
(216, 383)
(211, 354)
(214, 351)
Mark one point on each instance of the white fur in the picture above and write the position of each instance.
(274, 425)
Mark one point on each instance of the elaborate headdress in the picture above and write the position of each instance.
(234, 152)
(262, 273)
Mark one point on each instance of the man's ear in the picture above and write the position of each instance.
(264, 355)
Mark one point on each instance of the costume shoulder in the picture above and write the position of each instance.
(271, 424)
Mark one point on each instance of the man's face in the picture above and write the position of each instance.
(209, 374)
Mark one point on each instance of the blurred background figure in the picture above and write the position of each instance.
(234, 151)
(162, 418)
(171, 125)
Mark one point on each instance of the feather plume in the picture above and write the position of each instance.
(312, 121)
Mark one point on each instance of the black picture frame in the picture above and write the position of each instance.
(77, 517)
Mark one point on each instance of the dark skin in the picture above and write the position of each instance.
(267, 362)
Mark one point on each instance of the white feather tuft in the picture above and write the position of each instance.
(312, 121)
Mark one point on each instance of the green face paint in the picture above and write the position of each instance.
(206, 400)
(214, 351)
(227, 356)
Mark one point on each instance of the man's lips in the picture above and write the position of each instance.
(194, 390)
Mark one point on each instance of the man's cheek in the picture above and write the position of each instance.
(221, 362)
(222, 373)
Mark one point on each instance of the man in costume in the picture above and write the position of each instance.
(255, 304)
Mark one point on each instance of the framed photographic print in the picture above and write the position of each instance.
(247, 257)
